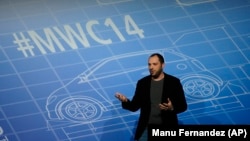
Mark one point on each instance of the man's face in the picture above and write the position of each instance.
(155, 66)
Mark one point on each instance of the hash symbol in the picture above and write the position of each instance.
(23, 44)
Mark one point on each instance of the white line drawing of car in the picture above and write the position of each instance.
(192, 2)
(111, 1)
(87, 102)
(85, 98)
(198, 82)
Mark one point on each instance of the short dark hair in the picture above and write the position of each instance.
(161, 58)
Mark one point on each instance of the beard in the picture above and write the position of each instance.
(156, 74)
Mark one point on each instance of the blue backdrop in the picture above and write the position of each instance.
(63, 60)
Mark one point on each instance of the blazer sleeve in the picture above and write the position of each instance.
(134, 104)
(177, 97)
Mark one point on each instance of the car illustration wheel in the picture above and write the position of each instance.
(200, 87)
(80, 109)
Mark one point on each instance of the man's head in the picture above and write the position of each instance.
(156, 65)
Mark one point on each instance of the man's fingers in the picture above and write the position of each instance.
(169, 100)
(121, 97)
(117, 95)
(163, 106)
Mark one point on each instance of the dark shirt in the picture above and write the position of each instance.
(155, 98)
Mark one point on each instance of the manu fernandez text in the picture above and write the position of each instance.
(184, 132)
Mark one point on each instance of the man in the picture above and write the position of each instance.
(159, 96)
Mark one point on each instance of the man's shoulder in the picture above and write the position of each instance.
(145, 78)
(169, 76)
(166, 76)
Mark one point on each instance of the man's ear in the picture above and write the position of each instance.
(163, 65)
